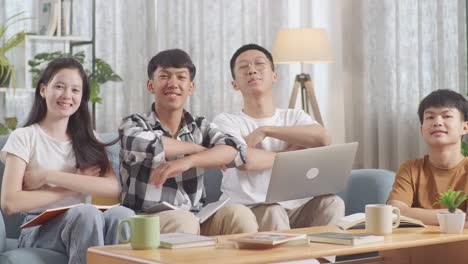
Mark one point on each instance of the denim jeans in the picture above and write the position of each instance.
(74, 231)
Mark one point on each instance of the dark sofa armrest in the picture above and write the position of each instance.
(367, 186)
(2, 234)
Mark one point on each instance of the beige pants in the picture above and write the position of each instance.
(319, 211)
(230, 219)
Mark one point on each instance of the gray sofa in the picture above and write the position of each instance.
(364, 187)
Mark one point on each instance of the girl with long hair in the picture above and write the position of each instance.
(55, 160)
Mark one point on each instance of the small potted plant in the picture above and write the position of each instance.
(451, 222)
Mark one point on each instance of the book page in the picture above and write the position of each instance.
(182, 238)
(358, 221)
(209, 209)
(162, 206)
(269, 238)
(355, 220)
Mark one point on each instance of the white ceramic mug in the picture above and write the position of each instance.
(379, 218)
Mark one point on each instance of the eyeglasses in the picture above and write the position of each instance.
(259, 64)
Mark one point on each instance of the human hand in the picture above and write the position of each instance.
(223, 168)
(34, 179)
(293, 147)
(167, 170)
(255, 137)
(90, 171)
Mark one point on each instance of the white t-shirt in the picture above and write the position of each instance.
(38, 149)
(250, 187)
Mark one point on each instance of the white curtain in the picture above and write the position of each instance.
(210, 32)
(394, 54)
(125, 38)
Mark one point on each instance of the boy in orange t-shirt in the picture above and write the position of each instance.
(443, 115)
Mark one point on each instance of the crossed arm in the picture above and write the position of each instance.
(305, 136)
(173, 147)
(219, 155)
(257, 159)
(23, 189)
(427, 216)
(138, 137)
(297, 137)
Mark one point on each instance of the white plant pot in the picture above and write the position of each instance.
(451, 223)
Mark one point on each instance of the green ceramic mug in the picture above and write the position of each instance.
(144, 231)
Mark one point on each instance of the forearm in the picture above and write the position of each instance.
(306, 136)
(23, 201)
(105, 187)
(258, 160)
(427, 216)
(218, 155)
(174, 147)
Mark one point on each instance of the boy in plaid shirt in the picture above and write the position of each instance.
(163, 154)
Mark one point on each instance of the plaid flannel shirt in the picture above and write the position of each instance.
(142, 151)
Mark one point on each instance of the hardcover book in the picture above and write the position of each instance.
(51, 213)
(48, 17)
(267, 240)
(182, 240)
(358, 221)
(344, 239)
(205, 213)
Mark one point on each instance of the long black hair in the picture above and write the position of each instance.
(88, 150)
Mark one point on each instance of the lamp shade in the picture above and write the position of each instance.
(302, 45)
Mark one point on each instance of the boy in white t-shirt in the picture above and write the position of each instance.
(266, 131)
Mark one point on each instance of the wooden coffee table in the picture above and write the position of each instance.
(405, 245)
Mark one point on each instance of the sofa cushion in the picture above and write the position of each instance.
(32, 256)
(11, 243)
(367, 186)
(212, 181)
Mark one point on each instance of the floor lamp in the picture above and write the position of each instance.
(304, 46)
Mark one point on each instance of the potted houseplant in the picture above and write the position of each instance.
(7, 71)
(451, 222)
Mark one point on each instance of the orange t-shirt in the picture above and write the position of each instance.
(418, 183)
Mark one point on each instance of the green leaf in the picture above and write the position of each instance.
(11, 122)
(464, 148)
(8, 44)
(451, 199)
(3, 130)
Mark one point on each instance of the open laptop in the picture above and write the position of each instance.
(310, 172)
